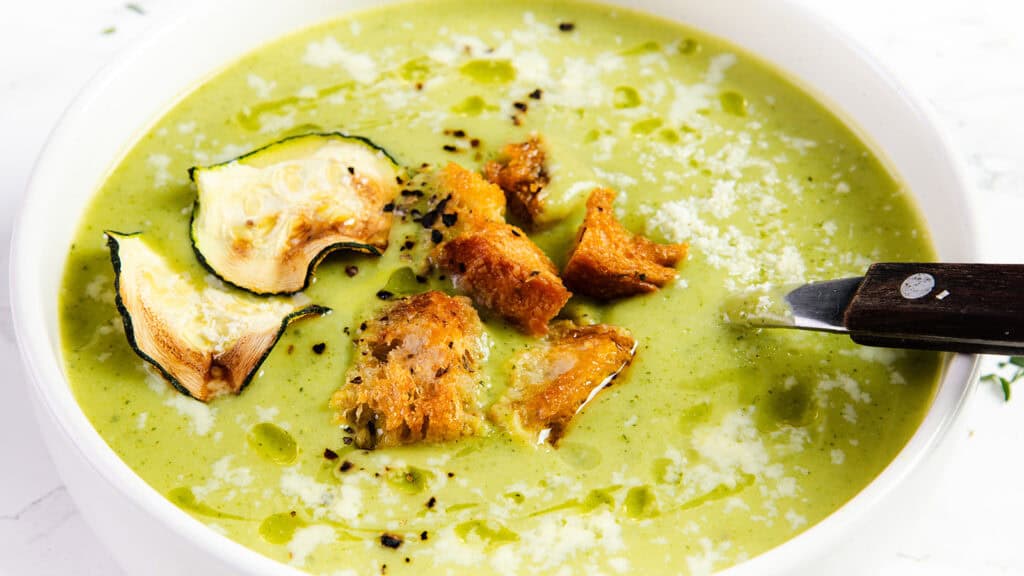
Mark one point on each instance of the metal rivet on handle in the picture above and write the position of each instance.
(917, 286)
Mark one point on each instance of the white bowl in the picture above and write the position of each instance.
(149, 535)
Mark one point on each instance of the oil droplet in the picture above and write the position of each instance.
(734, 103)
(579, 455)
(279, 528)
(640, 502)
(645, 48)
(689, 46)
(646, 126)
(273, 443)
(471, 106)
(415, 70)
(626, 97)
(184, 498)
(492, 535)
(669, 135)
(412, 480)
(597, 498)
(489, 71)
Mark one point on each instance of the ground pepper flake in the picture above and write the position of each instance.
(330, 454)
(536, 94)
(566, 26)
(346, 465)
(319, 348)
(390, 541)
(351, 271)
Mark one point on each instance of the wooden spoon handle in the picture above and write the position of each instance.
(975, 308)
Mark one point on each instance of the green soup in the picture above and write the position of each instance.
(716, 445)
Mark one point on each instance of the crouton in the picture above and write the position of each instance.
(414, 378)
(461, 201)
(609, 262)
(472, 198)
(521, 173)
(554, 380)
(503, 270)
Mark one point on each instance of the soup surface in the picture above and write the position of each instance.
(714, 446)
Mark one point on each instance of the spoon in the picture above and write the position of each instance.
(972, 308)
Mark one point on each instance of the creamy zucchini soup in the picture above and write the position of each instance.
(435, 289)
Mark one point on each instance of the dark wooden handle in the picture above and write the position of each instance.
(976, 308)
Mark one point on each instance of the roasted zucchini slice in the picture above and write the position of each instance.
(264, 221)
(205, 341)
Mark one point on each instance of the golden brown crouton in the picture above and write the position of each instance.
(472, 198)
(554, 380)
(415, 374)
(522, 175)
(502, 269)
(610, 262)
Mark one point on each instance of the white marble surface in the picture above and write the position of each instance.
(964, 57)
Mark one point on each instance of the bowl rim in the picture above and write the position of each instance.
(44, 368)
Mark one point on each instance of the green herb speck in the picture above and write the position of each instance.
(1007, 381)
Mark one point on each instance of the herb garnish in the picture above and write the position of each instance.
(1010, 371)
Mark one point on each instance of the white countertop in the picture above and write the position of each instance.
(964, 57)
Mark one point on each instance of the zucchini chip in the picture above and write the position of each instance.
(205, 341)
(264, 221)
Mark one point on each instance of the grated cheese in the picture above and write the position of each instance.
(308, 539)
(329, 53)
(264, 88)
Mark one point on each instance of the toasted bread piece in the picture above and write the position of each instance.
(522, 174)
(503, 270)
(415, 376)
(473, 199)
(610, 262)
(554, 380)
